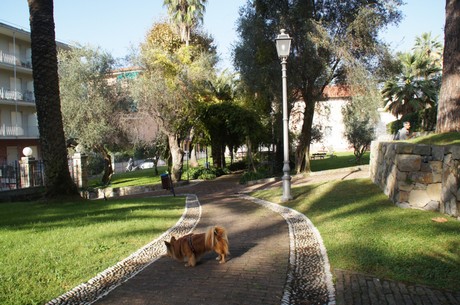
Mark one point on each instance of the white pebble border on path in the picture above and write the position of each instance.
(109, 279)
(308, 278)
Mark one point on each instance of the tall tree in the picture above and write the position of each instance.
(58, 181)
(174, 81)
(186, 15)
(90, 112)
(327, 35)
(449, 98)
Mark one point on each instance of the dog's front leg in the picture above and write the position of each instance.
(221, 258)
(191, 261)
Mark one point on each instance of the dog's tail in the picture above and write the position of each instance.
(216, 236)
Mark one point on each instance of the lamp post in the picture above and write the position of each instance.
(187, 152)
(283, 46)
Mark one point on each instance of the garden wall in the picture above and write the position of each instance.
(418, 176)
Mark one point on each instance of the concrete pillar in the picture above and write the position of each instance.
(28, 167)
(80, 170)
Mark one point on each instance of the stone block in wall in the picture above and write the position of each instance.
(432, 205)
(437, 153)
(450, 207)
(434, 191)
(404, 148)
(436, 169)
(376, 159)
(403, 205)
(404, 186)
(450, 186)
(449, 178)
(419, 186)
(454, 150)
(418, 198)
(402, 196)
(389, 183)
(423, 150)
(425, 167)
(408, 163)
(421, 177)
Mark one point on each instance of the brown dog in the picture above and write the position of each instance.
(191, 247)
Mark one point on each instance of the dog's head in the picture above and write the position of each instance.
(170, 247)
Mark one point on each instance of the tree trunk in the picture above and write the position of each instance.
(302, 154)
(108, 169)
(216, 154)
(249, 156)
(193, 160)
(449, 98)
(177, 155)
(58, 181)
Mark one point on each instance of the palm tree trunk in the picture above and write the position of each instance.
(449, 97)
(58, 181)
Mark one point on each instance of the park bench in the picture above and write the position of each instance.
(318, 155)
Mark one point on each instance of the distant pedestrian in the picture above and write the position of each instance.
(129, 167)
(404, 133)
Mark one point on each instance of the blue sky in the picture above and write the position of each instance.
(117, 25)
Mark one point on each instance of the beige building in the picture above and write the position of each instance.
(18, 115)
(328, 114)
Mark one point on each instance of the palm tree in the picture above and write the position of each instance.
(449, 98)
(46, 87)
(186, 14)
(429, 46)
(417, 85)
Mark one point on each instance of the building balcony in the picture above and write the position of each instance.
(14, 95)
(13, 60)
(9, 131)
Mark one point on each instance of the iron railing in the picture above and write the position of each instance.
(14, 176)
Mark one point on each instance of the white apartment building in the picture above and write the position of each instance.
(18, 115)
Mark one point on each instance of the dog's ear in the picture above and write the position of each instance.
(173, 239)
(167, 244)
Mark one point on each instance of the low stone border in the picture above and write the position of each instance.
(109, 279)
(309, 277)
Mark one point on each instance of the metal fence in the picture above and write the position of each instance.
(9, 176)
(14, 176)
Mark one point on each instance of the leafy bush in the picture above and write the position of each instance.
(121, 156)
(95, 163)
(239, 165)
(423, 120)
(359, 134)
(250, 176)
(204, 173)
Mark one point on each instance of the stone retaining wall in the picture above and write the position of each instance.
(418, 176)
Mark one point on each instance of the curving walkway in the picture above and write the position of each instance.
(277, 257)
(263, 268)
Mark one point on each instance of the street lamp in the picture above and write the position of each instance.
(187, 153)
(283, 46)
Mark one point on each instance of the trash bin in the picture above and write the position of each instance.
(165, 181)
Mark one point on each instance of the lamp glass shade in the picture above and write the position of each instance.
(283, 44)
(27, 151)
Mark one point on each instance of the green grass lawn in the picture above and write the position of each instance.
(47, 249)
(449, 138)
(134, 178)
(363, 231)
(339, 160)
